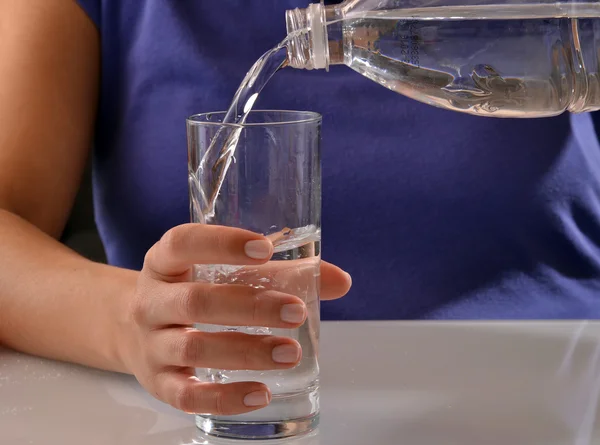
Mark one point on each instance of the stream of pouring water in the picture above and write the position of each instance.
(226, 139)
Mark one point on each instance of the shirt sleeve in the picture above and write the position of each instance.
(93, 9)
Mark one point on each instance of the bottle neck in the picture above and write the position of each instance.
(308, 45)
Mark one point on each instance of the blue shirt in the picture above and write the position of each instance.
(436, 214)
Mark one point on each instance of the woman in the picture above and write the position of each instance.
(435, 214)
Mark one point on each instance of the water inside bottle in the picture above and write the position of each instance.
(491, 60)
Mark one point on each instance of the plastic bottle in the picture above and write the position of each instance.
(483, 57)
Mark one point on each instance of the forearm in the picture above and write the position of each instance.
(55, 303)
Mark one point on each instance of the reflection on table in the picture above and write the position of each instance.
(383, 383)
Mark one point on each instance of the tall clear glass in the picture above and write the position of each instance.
(272, 185)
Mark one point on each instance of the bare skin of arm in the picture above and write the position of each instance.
(55, 303)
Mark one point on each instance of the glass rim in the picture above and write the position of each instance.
(303, 118)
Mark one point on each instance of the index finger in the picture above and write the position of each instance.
(183, 246)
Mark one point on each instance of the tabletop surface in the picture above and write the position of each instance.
(382, 383)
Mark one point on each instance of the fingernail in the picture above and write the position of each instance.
(256, 398)
(293, 313)
(286, 354)
(258, 249)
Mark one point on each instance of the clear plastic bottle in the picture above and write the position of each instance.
(485, 57)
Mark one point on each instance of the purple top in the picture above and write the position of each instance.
(435, 214)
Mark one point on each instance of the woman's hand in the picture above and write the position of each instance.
(161, 347)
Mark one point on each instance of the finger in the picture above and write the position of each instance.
(186, 347)
(182, 390)
(188, 244)
(297, 277)
(335, 283)
(221, 304)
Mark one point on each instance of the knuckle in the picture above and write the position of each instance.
(138, 309)
(257, 304)
(184, 398)
(173, 239)
(214, 402)
(195, 301)
(204, 301)
(148, 256)
(249, 357)
(220, 240)
(192, 349)
(219, 404)
(262, 305)
(187, 301)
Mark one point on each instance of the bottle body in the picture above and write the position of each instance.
(482, 60)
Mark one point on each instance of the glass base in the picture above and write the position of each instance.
(257, 430)
(287, 415)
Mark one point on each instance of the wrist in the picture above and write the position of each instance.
(119, 322)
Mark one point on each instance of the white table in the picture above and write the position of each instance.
(383, 383)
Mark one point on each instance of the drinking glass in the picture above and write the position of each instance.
(265, 176)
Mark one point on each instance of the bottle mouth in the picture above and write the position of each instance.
(307, 44)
